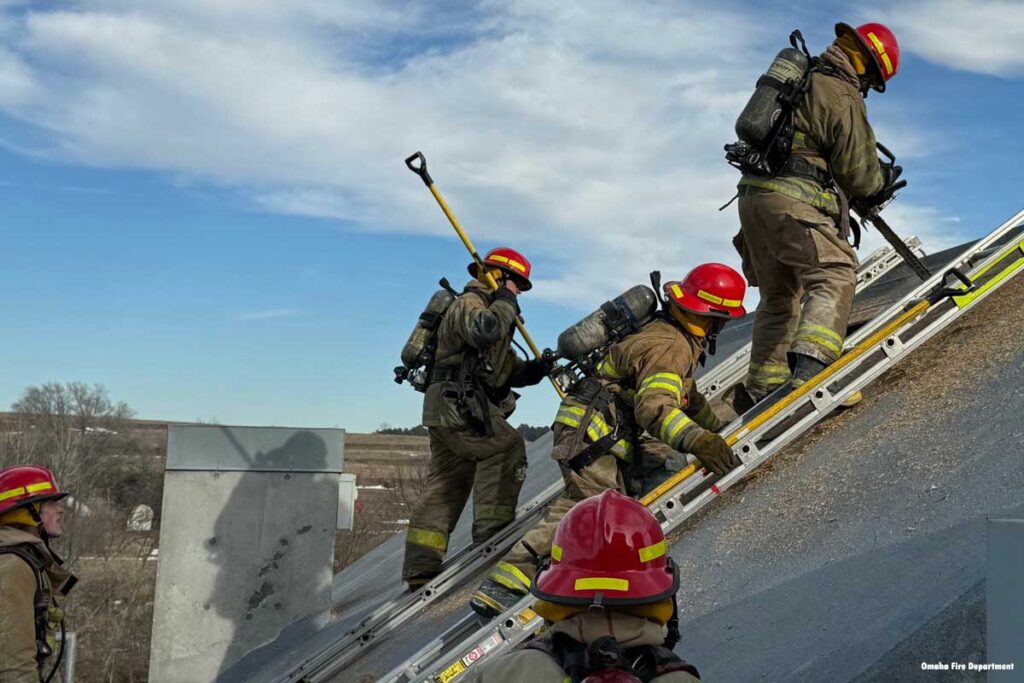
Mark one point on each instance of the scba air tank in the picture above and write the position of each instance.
(612, 321)
(427, 324)
(757, 121)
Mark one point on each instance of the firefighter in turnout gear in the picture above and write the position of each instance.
(30, 574)
(608, 595)
(468, 398)
(795, 225)
(645, 382)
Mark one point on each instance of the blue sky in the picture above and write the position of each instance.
(206, 208)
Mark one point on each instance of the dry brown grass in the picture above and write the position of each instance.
(111, 611)
(381, 512)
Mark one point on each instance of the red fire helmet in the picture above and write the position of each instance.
(712, 289)
(608, 549)
(509, 261)
(25, 484)
(881, 45)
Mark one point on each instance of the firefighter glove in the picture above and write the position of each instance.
(532, 372)
(505, 294)
(586, 390)
(714, 453)
(890, 175)
(890, 185)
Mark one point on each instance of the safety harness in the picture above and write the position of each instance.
(593, 421)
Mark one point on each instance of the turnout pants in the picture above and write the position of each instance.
(492, 468)
(807, 275)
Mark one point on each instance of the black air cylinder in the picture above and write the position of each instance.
(613, 320)
(764, 108)
(425, 326)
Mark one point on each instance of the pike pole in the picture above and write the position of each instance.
(871, 215)
(420, 169)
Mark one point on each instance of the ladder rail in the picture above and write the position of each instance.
(389, 616)
(816, 401)
(392, 614)
(879, 322)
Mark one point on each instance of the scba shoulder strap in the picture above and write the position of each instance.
(32, 560)
(40, 603)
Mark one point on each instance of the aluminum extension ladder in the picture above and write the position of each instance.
(470, 559)
(757, 436)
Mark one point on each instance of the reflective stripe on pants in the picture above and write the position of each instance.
(491, 468)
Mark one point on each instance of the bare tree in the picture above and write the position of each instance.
(109, 467)
(381, 513)
(74, 421)
(366, 533)
(70, 428)
(408, 480)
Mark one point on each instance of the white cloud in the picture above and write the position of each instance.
(268, 314)
(984, 36)
(592, 130)
(17, 87)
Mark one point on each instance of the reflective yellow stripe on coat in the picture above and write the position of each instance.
(606, 369)
(672, 428)
(572, 416)
(665, 381)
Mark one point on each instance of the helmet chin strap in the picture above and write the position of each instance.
(41, 528)
(672, 635)
(703, 327)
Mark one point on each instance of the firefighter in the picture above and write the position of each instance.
(794, 226)
(30, 573)
(468, 398)
(608, 596)
(644, 382)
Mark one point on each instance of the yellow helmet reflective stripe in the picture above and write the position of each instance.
(601, 584)
(881, 52)
(24, 490)
(511, 263)
(708, 296)
(652, 552)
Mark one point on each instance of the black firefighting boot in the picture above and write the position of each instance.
(417, 581)
(806, 368)
(492, 599)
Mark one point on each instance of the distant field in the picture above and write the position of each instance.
(389, 469)
(366, 448)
